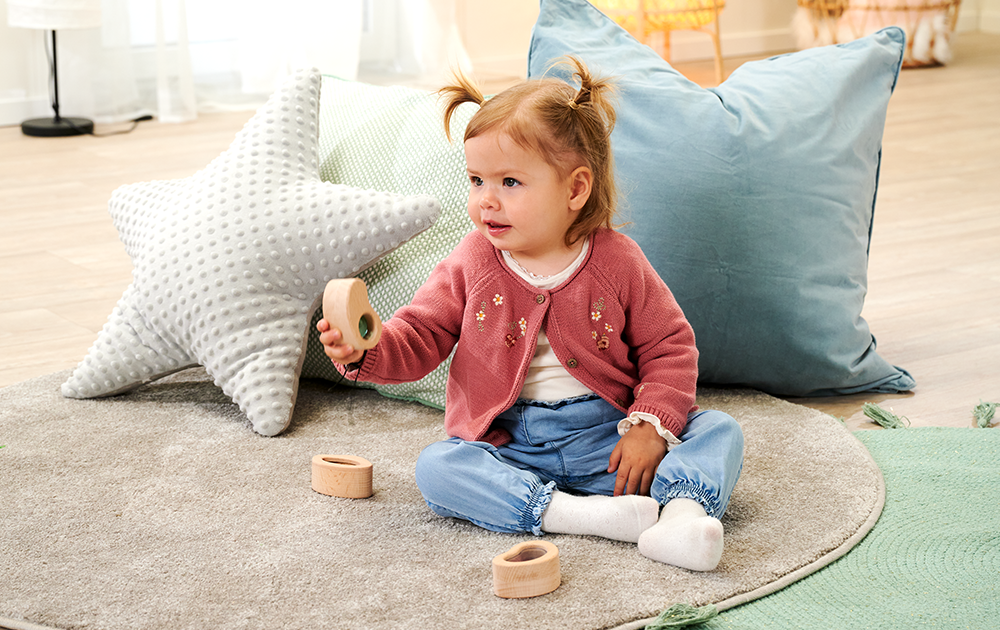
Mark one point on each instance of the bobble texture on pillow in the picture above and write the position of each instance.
(392, 138)
(231, 263)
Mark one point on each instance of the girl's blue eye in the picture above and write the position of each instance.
(510, 182)
(476, 181)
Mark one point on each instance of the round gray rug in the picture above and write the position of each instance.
(163, 509)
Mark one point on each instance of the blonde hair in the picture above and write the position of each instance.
(567, 126)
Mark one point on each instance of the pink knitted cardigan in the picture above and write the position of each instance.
(614, 325)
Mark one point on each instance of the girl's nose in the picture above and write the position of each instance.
(488, 198)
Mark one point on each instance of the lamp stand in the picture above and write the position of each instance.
(56, 126)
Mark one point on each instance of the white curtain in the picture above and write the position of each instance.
(430, 45)
(174, 58)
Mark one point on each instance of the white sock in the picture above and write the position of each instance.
(685, 536)
(618, 518)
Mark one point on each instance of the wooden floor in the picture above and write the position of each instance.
(934, 277)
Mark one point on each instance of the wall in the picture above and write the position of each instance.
(496, 35)
(23, 73)
(989, 16)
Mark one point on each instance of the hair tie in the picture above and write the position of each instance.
(573, 104)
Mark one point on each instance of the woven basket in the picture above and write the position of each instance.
(928, 25)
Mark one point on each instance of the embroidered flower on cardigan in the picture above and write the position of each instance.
(595, 314)
(595, 310)
(521, 327)
(480, 316)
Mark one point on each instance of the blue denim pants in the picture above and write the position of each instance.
(567, 445)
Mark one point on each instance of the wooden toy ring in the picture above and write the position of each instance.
(346, 307)
(344, 476)
(528, 569)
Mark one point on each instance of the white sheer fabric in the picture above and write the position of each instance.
(174, 58)
(50, 14)
(430, 45)
(325, 34)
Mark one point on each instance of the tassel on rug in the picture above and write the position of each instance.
(883, 418)
(983, 414)
(680, 615)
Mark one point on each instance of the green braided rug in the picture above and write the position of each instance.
(931, 561)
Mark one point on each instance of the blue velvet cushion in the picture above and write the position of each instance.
(753, 200)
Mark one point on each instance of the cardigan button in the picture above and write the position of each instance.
(540, 298)
(572, 363)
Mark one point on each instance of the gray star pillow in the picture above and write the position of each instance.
(231, 263)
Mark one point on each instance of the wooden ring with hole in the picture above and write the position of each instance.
(528, 569)
(344, 476)
(346, 307)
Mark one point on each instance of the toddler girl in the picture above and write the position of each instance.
(570, 396)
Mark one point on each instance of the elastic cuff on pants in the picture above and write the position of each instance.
(531, 517)
(681, 490)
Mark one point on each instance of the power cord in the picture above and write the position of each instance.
(53, 96)
(135, 123)
(82, 132)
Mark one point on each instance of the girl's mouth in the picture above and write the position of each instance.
(494, 228)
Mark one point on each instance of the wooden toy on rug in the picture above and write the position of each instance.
(528, 569)
(345, 476)
(346, 307)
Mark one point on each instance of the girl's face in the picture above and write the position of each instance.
(522, 204)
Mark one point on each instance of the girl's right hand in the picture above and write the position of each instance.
(636, 458)
(331, 338)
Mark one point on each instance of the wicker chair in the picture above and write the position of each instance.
(650, 21)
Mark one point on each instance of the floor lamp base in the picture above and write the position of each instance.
(57, 127)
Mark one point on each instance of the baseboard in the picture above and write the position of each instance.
(684, 46)
(487, 68)
(697, 46)
(14, 111)
(989, 21)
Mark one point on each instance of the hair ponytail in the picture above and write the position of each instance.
(592, 118)
(593, 93)
(462, 91)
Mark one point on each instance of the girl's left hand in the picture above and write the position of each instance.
(636, 457)
(330, 337)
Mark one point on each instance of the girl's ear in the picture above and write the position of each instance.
(581, 183)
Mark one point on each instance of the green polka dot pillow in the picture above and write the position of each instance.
(392, 139)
